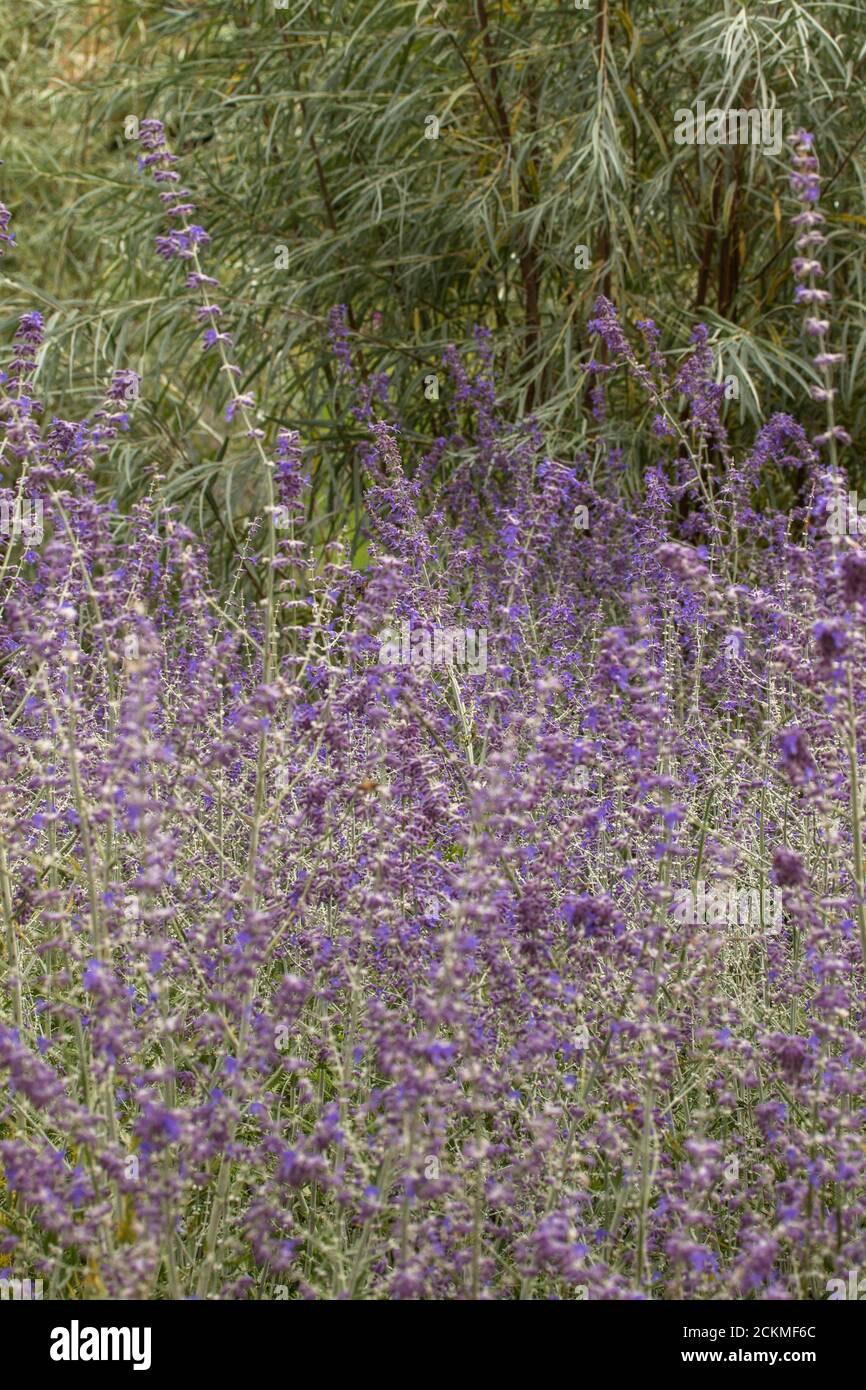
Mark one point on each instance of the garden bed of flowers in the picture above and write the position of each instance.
(330, 976)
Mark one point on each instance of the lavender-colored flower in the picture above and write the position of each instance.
(788, 869)
(830, 639)
(7, 238)
(791, 1053)
(794, 754)
(853, 576)
(338, 333)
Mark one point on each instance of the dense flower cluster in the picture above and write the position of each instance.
(330, 978)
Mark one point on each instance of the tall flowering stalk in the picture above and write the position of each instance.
(805, 182)
(183, 242)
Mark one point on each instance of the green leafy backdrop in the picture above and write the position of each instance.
(304, 133)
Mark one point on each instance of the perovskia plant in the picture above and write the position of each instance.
(329, 979)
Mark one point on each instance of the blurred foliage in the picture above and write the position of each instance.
(304, 132)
